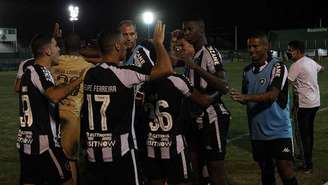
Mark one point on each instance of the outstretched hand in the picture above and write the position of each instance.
(159, 32)
(57, 32)
(237, 96)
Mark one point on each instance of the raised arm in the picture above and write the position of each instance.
(163, 66)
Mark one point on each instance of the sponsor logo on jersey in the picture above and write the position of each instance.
(24, 137)
(100, 140)
(159, 140)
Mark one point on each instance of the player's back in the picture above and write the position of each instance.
(38, 116)
(107, 110)
(166, 111)
(68, 70)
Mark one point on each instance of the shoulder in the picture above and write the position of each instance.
(213, 52)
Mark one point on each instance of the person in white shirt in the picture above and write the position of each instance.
(303, 75)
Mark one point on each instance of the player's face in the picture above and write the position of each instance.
(292, 53)
(192, 31)
(121, 49)
(54, 50)
(257, 49)
(129, 36)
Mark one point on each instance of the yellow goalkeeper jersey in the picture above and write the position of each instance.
(67, 70)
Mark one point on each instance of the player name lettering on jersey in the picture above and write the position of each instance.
(24, 137)
(159, 140)
(139, 59)
(214, 55)
(100, 140)
(100, 88)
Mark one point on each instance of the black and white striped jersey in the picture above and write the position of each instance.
(166, 111)
(39, 120)
(143, 57)
(107, 110)
(209, 58)
(22, 67)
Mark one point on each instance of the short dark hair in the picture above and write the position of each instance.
(72, 42)
(38, 43)
(260, 35)
(198, 20)
(107, 40)
(126, 22)
(297, 44)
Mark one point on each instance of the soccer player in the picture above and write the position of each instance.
(303, 75)
(68, 69)
(265, 92)
(107, 110)
(211, 124)
(41, 156)
(167, 119)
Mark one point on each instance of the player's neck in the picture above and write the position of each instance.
(200, 43)
(43, 61)
(111, 59)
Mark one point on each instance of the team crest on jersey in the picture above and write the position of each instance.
(262, 81)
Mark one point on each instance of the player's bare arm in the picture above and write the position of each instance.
(163, 67)
(55, 94)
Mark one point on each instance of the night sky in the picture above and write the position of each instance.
(32, 16)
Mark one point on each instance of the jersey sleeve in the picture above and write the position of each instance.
(278, 76)
(318, 66)
(294, 71)
(141, 58)
(130, 75)
(41, 78)
(213, 59)
(20, 70)
(182, 84)
(22, 66)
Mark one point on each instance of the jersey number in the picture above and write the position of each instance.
(27, 118)
(105, 99)
(161, 120)
(64, 80)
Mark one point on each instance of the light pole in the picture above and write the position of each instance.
(73, 14)
(148, 18)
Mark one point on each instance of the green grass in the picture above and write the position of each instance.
(241, 169)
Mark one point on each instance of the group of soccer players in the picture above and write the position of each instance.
(137, 121)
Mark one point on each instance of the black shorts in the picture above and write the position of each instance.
(51, 167)
(211, 139)
(279, 149)
(122, 171)
(176, 170)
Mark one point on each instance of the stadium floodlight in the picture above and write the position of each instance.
(148, 18)
(73, 14)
